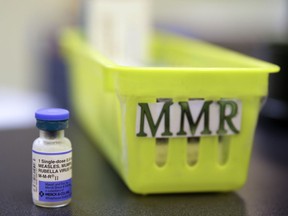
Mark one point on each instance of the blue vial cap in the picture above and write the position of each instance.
(52, 119)
(52, 114)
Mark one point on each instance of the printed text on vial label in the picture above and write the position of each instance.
(50, 171)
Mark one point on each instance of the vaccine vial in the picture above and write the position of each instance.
(52, 160)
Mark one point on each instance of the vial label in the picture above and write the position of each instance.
(52, 176)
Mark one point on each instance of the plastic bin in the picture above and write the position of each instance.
(106, 97)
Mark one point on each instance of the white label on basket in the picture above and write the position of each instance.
(191, 118)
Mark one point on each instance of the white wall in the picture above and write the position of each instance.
(25, 27)
(228, 20)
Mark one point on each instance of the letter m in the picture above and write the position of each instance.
(193, 124)
(145, 113)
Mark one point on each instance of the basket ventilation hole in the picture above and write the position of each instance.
(223, 147)
(193, 144)
(161, 151)
(161, 144)
(192, 150)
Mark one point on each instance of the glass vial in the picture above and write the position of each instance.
(52, 160)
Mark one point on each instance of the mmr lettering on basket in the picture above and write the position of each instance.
(189, 118)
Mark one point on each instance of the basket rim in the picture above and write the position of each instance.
(72, 40)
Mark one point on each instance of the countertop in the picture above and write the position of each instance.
(98, 190)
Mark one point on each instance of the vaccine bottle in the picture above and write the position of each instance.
(52, 160)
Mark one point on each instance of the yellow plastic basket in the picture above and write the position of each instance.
(106, 99)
